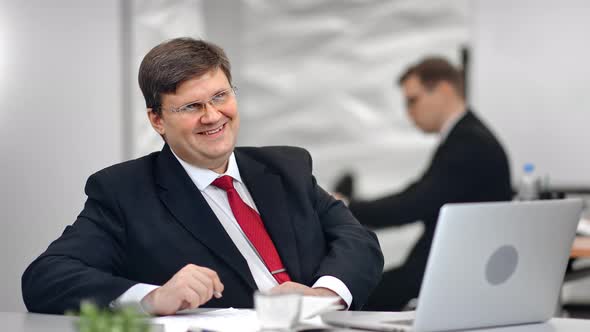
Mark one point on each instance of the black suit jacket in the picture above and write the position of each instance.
(145, 219)
(470, 165)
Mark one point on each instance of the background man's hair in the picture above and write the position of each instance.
(432, 70)
(175, 61)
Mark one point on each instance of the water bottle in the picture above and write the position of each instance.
(528, 189)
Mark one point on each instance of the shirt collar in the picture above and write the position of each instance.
(203, 177)
(450, 124)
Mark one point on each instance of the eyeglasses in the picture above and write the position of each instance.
(217, 100)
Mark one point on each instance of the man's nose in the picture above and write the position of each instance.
(211, 115)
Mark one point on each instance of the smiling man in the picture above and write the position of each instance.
(202, 223)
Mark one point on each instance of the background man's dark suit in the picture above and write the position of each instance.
(469, 166)
(145, 219)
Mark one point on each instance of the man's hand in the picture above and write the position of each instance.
(341, 197)
(293, 287)
(189, 288)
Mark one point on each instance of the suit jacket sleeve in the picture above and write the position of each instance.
(84, 263)
(354, 255)
(455, 175)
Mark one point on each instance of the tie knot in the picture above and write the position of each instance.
(225, 182)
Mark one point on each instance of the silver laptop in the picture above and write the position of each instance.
(491, 264)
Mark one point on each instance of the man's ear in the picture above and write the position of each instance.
(157, 121)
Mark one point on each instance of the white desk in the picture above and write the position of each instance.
(27, 322)
(554, 325)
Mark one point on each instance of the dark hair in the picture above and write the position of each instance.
(433, 70)
(174, 62)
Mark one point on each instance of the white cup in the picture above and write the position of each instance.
(277, 312)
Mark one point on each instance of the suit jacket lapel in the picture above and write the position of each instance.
(186, 203)
(268, 193)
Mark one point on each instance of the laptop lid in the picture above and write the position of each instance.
(494, 264)
(490, 264)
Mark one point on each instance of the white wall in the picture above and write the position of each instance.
(60, 120)
(322, 75)
(531, 79)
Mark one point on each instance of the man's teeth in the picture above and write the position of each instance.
(211, 132)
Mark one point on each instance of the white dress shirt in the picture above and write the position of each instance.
(219, 203)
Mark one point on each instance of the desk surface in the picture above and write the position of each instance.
(27, 322)
(581, 247)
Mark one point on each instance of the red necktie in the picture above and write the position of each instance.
(252, 226)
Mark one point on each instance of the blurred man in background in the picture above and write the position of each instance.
(469, 165)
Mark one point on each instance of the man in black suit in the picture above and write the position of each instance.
(469, 165)
(201, 223)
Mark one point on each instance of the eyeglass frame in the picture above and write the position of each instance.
(232, 90)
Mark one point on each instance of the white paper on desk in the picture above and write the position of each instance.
(243, 320)
(216, 320)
